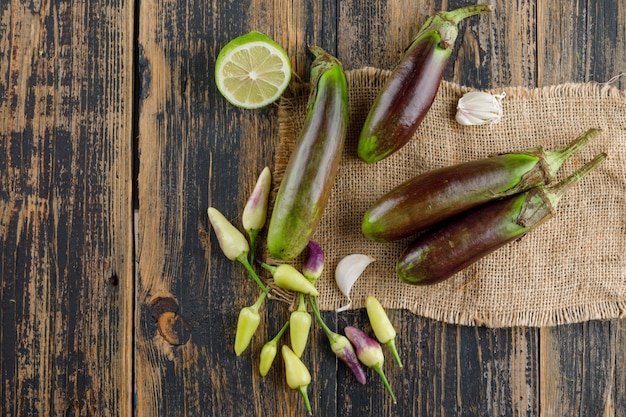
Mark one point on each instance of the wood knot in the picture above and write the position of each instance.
(171, 326)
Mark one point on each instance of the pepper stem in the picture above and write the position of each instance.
(243, 259)
(301, 303)
(379, 371)
(252, 233)
(305, 397)
(316, 312)
(554, 159)
(259, 301)
(280, 333)
(392, 346)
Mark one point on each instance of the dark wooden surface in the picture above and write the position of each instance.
(110, 108)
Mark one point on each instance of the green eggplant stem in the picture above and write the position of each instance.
(455, 16)
(243, 259)
(555, 159)
(557, 190)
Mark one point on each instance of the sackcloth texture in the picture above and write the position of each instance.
(570, 269)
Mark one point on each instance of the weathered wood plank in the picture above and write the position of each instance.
(66, 270)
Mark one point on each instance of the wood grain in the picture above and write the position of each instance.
(66, 275)
(82, 332)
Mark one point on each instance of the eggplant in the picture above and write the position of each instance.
(442, 193)
(310, 173)
(408, 94)
(466, 238)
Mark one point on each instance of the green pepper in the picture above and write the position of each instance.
(247, 324)
(383, 329)
(300, 326)
(297, 374)
(289, 278)
(269, 351)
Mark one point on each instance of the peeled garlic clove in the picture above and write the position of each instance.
(477, 107)
(348, 270)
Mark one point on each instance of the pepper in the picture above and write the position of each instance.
(340, 345)
(231, 240)
(383, 329)
(233, 243)
(463, 240)
(300, 327)
(314, 262)
(247, 324)
(255, 211)
(369, 353)
(289, 278)
(269, 351)
(433, 196)
(406, 97)
(297, 374)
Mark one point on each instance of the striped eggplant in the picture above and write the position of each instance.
(406, 97)
(464, 239)
(311, 170)
(436, 195)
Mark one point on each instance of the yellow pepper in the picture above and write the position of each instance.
(269, 351)
(300, 327)
(289, 278)
(297, 374)
(247, 324)
(383, 329)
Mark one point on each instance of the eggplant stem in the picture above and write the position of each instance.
(455, 16)
(557, 190)
(554, 159)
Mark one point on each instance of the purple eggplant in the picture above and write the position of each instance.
(436, 195)
(405, 99)
(464, 239)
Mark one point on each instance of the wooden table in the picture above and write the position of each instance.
(111, 127)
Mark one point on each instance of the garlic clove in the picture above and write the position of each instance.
(477, 108)
(348, 270)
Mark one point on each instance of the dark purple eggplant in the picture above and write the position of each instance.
(439, 194)
(407, 96)
(466, 238)
(311, 170)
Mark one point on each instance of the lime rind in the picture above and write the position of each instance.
(252, 71)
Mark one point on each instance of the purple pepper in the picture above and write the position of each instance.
(370, 354)
(340, 345)
(314, 262)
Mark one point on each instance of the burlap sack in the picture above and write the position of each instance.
(570, 269)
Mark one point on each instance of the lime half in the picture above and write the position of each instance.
(252, 71)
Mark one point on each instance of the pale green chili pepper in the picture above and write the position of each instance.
(255, 211)
(300, 327)
(289, 278)
(383, 329)
(269, 351)
(297, 374)
(233, 243)
(247, 324)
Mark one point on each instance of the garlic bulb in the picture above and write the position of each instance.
(348, 270)
(477, 108)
